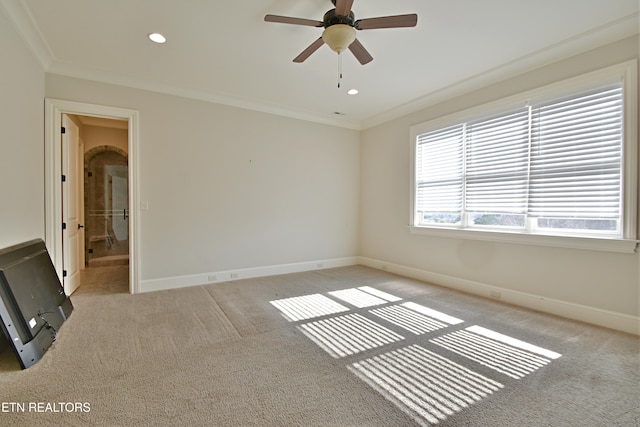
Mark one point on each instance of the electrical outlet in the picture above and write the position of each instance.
(495, 294)
(383, 267)
(234, 275)
(212, 278)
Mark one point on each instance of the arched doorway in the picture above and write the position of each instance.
(106, 209)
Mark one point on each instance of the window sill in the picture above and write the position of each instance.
(586, 243)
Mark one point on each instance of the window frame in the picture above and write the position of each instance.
(625, 72)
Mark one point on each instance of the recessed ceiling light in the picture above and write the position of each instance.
(157, 38)
(353, 91)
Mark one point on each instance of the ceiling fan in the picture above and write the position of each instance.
(340, 27)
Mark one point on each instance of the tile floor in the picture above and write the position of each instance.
(104, 280)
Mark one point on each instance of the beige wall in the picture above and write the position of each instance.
(233, 189)
(95, 136)
(602, 280)
(21, 145)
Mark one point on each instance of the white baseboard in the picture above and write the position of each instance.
(596, 316)
(587, 314)
(243, 273)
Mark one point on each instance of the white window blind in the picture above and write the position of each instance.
(439, 166)
(497, 164)
(576, 161)
(555, 165)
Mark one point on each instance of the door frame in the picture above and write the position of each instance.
(54, 109)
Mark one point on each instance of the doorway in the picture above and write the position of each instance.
(113, 235)
(106, 192)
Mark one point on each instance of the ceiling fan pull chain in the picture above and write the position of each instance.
(339, 69)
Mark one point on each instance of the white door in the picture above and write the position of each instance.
(72, 174)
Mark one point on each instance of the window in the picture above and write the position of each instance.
(559, 161)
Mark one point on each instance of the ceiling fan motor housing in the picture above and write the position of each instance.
(331, 18)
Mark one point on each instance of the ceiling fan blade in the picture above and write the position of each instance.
(396, 21)
(343, 7)
(308, 51)
(360, 52)
(294, 21)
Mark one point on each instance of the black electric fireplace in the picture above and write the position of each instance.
(33, 304)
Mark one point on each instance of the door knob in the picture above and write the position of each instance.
(80, 226)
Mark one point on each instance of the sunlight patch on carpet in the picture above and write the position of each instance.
(349, 334)
(514, 342)
(361, 298)
(507, 355)
(307, 307)
(433, 313)
(424, 385)
(408, 319)
(381, 294)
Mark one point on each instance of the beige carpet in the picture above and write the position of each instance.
(340, 347)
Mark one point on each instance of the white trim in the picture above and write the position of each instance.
(28, 30)
(76, 71)
(600, 36)
(593, 315)
(626, 70)
(242, 273)
(630, 158)
(572, 242)
(610, 32)
(54, 108)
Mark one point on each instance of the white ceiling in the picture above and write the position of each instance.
(223, 51)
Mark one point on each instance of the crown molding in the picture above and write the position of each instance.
(25, 25)
(611, 32)
(605, 34)
(80, 72)
(28, 30)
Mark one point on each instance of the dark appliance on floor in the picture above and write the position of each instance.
(33, 304)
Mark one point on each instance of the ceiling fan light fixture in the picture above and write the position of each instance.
(339, 37)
